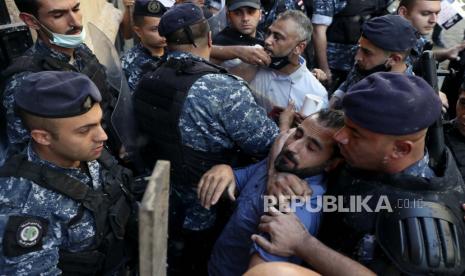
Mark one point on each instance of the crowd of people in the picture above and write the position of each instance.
(303, 140)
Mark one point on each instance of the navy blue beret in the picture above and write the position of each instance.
(179, 16)
(392, 103)
(149, 8)
(53, 94)
(390, 33)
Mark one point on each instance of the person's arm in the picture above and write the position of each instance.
(287, 116)
(213, 183)
(320, 75)
(15, 129)
(255, 260)
(320, 44)
(289, 237)
(245, 71)
(222, 178)
(254, 55)
(29, 244)
(244, 121)
(40, 262)
(451, 53)
(126, 24)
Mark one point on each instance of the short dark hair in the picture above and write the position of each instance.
(138, 20)
(199, 34)
(330, 118)
(409, 4)
(32, 122)
(334, 119)
(28, 6)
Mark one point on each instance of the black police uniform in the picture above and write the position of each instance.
(230, 36)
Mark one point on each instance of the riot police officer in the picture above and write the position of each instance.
(59, 47)
(378, 52)
(195, 115)
(383, 143)
(66, 203)
(336, 30)
(146, 18)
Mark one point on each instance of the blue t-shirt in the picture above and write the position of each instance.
(233, 249)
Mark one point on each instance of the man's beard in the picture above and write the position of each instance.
(281, 165)
(378, 68)
(278, 63)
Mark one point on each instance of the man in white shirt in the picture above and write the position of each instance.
(287, 77)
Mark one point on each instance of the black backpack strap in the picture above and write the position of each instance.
(32, 64)
(193, 67)
(19, 166)
(22, 64)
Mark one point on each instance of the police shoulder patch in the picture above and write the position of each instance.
(29, 233)
(153, 7)
(23, 234)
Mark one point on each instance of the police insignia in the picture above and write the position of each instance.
(87, 103)
(153, 7)
(29, 233)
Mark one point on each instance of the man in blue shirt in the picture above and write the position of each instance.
(308, 152)
(383, 142)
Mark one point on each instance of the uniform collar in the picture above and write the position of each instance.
(420, 168)
(183, 55)
(45, 50)
(77, 173)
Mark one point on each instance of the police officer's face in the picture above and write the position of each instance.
(460, 111)
(148, 33)
(281, 38)
(423, 15)
(245, 20)
(78, 138)
(368, 55)
(362, 148)
(308, 151)
(61, 16)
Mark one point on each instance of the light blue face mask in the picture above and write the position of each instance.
(65, 41)
(68, 41)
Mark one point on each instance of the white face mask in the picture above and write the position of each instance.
(65, 41)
